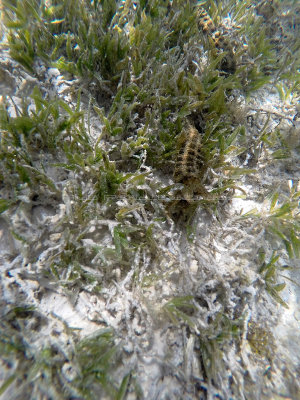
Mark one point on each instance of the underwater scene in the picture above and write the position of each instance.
(149, 200)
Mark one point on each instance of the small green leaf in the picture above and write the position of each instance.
(235, 171)
(270, 272)
(4, 205)
(283, 210)
(7, 383)
(280, 154)
(289, 248)
(295, 243)
(275, 295)
(274, 201)
(252, 213)
(279, 287)
(123, 387)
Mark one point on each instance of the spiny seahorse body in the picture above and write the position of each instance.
(205, 22)
(189, 168)
(189, 159)
(222, 43)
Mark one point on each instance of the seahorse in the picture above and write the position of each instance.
(221, 42)
(191, 168)
(189, 163)
(205, 22)
(189, 171)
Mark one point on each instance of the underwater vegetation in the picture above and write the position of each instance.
(164, 82)
(82, 369)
